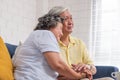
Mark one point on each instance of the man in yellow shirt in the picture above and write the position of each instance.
(73, 50)
(76, 53)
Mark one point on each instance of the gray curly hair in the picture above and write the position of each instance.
(48, 21)
(57, 10)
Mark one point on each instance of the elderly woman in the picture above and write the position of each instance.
(38, 57)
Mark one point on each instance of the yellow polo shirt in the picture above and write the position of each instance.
(76, 52)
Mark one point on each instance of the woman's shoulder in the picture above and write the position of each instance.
(42, 31)
(42, 34)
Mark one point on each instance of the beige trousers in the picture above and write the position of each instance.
(104, 78)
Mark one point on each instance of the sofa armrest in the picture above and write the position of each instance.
(105, 71)
(11, 48)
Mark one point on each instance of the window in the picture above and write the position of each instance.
(105, 32)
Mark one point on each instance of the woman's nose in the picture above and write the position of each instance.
(70, 22)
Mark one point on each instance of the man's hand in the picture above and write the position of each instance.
(83, 68)
(80, 67)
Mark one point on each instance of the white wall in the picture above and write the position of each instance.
(42, 7)
(17, 19)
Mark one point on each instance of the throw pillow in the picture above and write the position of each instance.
(6, 68)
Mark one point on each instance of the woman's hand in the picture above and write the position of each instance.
(88, 74)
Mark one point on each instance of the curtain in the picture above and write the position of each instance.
(105, 32)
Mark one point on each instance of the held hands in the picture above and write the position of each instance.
(83, 68)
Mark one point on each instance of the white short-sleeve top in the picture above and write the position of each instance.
(29, 61)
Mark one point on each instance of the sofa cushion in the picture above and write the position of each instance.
(11, 48)
(105, 71)
(6, 68)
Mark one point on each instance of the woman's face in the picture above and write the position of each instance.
(68, 22)
(57, 31)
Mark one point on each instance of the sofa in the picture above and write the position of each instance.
(102, 71)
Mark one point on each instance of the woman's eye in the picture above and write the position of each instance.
(65, 18)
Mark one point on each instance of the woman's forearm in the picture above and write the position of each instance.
(66, 71)
(60, 66)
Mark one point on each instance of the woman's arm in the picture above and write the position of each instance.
(60, 66)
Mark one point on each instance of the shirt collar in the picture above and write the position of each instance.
(72, 41)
